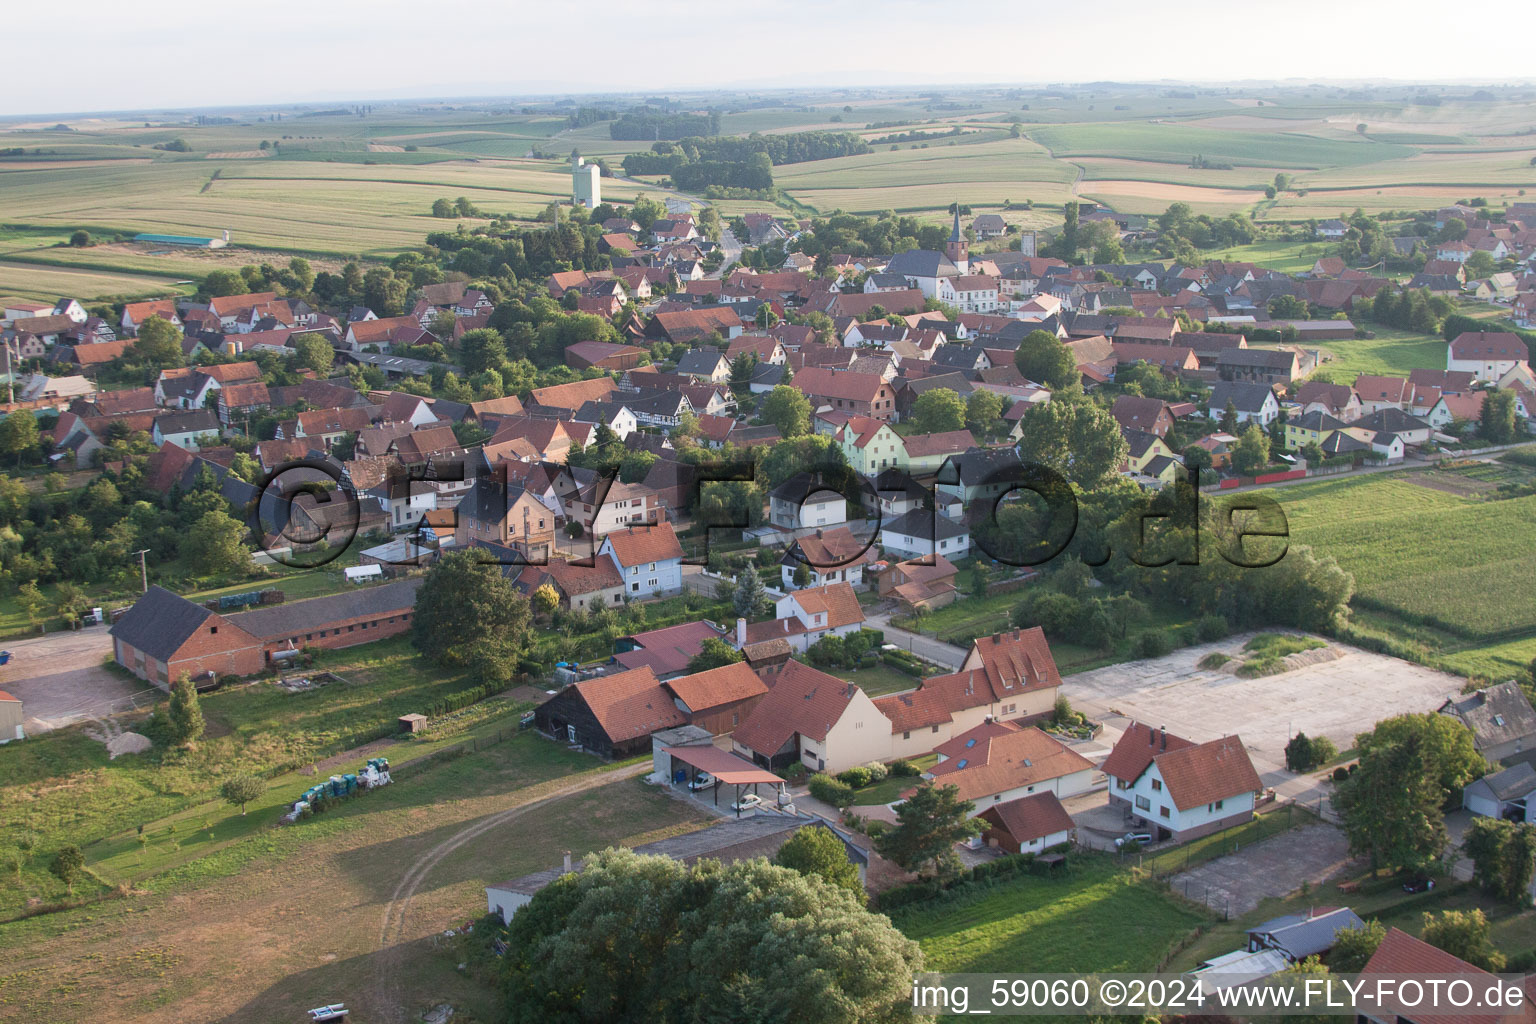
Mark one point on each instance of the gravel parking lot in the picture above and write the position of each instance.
(60, 680)
(1336, 699)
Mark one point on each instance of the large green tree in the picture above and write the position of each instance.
(928, 825)
(788, 409)
(1079, 440)
(713, 653)
(19, 434)
(814, 850)
(637, 938)
(1251, 453)
(1450, 754)
(469, 615)
(1044, 359)
(214, 544)
(983, 413)
(1354, 947)
(1390, 807)
(158, 344)
(185, 714)
(1464, 934)
(938, 411)
(313, 352)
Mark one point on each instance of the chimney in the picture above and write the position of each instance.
(567, 861)
(1164, 731)
(1151, 737)
(741, 632)
(820, 533)
(1016, 634)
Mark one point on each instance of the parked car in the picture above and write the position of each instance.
(1419, 883)
(748, 803)
(703, 780)
(1133, 839)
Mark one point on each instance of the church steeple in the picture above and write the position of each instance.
(958, 249)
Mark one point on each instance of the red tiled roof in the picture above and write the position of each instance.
(1030, 817)
(995, 757)
(717, 686)
(836, 601)
(919, 709)
(1207, 772)
(950, 442)
(640, 544)
(630, 704)
(1136, 748)
(802, 700)
(822, 382)
(573, 395)
(1490, 345)
(1402, 954)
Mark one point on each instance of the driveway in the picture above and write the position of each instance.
(60, 679)
(1235, 884)
(948, 655)
(1336, 698)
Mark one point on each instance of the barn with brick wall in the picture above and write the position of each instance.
(164, 635)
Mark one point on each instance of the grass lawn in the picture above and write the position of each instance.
(1392, 352)
(891, 787)
(1091, 917)
(62, 787)
(1286, 257)
(298, 908)
(878, 680)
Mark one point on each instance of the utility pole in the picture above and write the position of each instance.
(143, 572)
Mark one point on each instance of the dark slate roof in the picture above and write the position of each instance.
(1302, 937)
(925, 523)
(1391, 421)
(976, 465)
(160, 622)
(767, 375)
(922, 263)
(955, 382)
(1246, 396)
(1496, 715)
(1269, 358)
(957, 355)
(202, 421)
(700, 360)
(1512, 783)
(490, 498)
(295, 617)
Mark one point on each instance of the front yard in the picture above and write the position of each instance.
(1092, 916)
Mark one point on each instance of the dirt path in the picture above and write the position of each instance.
(392, 930)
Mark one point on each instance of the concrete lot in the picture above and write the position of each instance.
(60, 680)
(1336, 699)
(1235, 884)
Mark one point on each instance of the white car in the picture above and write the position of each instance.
(749, 802)
(703, 780)
(1133, 839)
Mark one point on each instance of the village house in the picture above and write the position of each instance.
(833, 555)
(1179, 788)
(826, 724)
(649, 558)
(1006, 760)
(799, 504)
(601, 508)
(1149, 415)
(507, 518)
(863, 394)
(927, 584)
(666, 651)
(1488, 355)
(923, 533)
(1028, 824)
(803, 617)
(1501, 720)
(1252, 402)
(870, 445)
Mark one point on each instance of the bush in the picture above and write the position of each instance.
(1211, 628)
(877, 771)
(877, 828)
(1340, 774)
(1215, 659)
(856, 777)
(904, 769)
(1153, 644)
(831, 791)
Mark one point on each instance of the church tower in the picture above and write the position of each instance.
(958, 249)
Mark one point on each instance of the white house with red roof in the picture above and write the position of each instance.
(649, 558)
(1181, 788)
(805, 616)
(1488, 355)
(998, 761)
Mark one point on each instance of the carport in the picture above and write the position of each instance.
(723, 766)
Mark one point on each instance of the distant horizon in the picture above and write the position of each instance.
(177, 55)
(745, 88)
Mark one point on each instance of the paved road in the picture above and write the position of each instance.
(940, 653)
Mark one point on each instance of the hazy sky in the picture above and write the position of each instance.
(89, 55)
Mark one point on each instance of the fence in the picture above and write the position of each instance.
(1219, 844)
